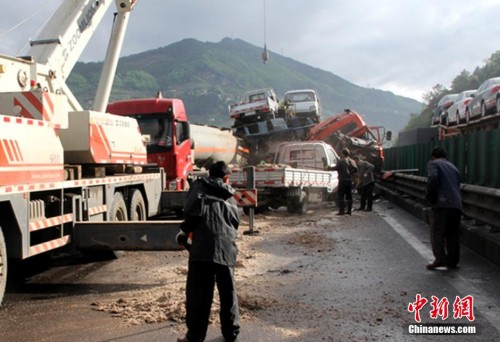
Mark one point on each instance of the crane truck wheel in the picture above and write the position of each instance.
(118, 212)
(3, 266)
(137, 206)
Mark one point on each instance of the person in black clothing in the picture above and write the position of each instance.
(346, 169)
(366, 183)
(443, 192)
(211, 217)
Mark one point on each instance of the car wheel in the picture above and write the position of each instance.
(483, 109)
(442, 119)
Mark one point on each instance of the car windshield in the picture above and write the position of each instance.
(447, 98)
(466, 94)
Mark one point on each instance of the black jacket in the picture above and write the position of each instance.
(443, 184)
(345, 168)
(211, 215)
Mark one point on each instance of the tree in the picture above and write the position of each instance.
(437, 91)
(462, 82)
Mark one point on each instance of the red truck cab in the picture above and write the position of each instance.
(348, 129)
(165, 121)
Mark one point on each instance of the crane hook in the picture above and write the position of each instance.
(265, 54)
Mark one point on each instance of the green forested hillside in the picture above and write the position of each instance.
(464, 81)
(210, 76)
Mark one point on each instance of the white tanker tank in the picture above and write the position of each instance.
(211, 144)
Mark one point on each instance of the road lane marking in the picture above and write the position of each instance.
(459, 282)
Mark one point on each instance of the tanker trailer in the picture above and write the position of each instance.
(210, 144)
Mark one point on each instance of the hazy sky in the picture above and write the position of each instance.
(404, 46)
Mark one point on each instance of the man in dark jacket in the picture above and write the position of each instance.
(366, 183)
(346, 169)
(443, 192)
(211, 215)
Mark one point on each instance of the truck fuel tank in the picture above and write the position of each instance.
(212, 144)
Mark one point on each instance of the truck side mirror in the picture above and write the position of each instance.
(146, 139)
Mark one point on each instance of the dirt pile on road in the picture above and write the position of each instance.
(255, 276)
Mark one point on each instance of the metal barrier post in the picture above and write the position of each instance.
(250, 175)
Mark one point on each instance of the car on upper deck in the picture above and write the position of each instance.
(303, 103)
(486, 100)
(456, 113)
(439, 113)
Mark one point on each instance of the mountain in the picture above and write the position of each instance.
(210, 76)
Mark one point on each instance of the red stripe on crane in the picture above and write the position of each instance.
(8, 149)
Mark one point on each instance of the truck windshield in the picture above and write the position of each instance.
(300, 97)
(160, 130)
(256, 97)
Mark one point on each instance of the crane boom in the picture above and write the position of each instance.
(62, 41)
(113, 54)
(67, 33)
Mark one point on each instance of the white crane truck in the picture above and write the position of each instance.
(67, 173)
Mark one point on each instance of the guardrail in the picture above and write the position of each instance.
(480, 203)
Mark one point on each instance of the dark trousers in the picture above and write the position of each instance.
(345, 195)
(367, 196)
(201, 280)
(445, 239)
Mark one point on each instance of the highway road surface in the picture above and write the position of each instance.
(317, 277)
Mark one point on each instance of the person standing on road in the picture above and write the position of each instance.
(443, 192)
(366, 183)
(346, 169)
(211, 215)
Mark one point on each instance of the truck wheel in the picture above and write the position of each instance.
(137, 206)
(303, 203)
(118, 210)
(3, 266)
(291, 205)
